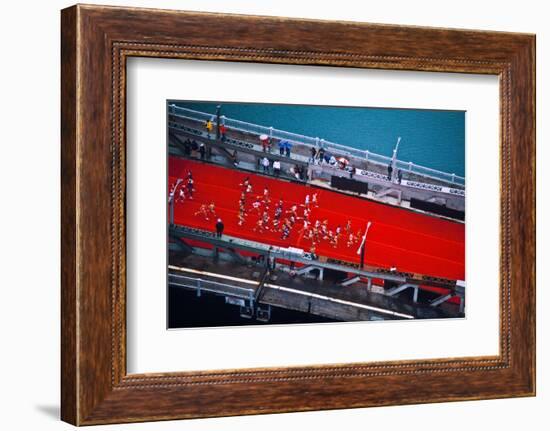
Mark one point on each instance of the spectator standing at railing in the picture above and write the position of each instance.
(194, 146)
(202, 150)
(288, 146)
(313, 154)
(219, 228)
(282, 148)
(399, 176)
(265, 165)
(209, 126)
(390, 170)
(321, 155)
(276, 168)
(223, 131)
(187, 147)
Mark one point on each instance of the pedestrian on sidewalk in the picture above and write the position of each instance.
(351, 171)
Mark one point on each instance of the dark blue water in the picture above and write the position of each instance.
(186, 310)
(431, 138)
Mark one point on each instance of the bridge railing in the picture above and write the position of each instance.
(205, 285)
(333, 147)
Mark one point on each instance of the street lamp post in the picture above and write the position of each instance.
(361, 249)
(171, 198)
(394, 159)
(218, 110)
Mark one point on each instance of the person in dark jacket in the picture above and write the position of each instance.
(321, 154)
(282, 148)
(202, 150)
(288, 146)
(219, 228)
(313, 154)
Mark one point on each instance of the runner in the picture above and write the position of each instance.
(259, 226)
(315, 200)
(245, 183)
(190, 185)
(286, 232)
(279, 209)
(265, 217)
(266, 196)
(293, 210)
(241, 217)
(212, 209)
(181, 195)
(203, 211)
(256, 205)
(348, 227)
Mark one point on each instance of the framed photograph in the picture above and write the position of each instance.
(287, 229)
(265, 215)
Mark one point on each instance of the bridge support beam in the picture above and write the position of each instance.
(390, 191)
(441, 300)
(305, 269)
(180, 245)
(308, 268)
(398, 289)
(349, 281)
(236, 256)
(263, 313)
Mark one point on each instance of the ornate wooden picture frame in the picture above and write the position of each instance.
(96, 42)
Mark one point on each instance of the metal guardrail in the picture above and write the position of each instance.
(305, 258)
(204, 285)
(333, 147)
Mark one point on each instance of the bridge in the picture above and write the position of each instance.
(241, 147)
(291, 278)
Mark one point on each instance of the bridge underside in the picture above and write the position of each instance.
(254, 290)
(249, 278)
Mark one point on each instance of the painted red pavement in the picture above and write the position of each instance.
(410, 241)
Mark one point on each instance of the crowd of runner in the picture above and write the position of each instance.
(264, 214)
